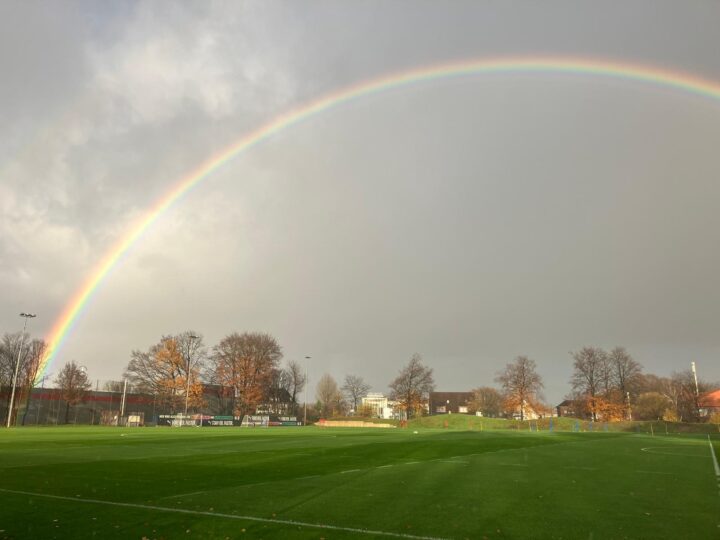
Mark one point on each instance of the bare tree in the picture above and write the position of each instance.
(297, 381)
(9, 348)
(521, 384)
(682, 385)
(113, 386)
(355, 389)
(278, 392)
(590, 372)
(29, 371)
(329, 396)
(119, 386)
(487, 400)
(28, 366)
(73, 383)
(625, 371)
(412, 386)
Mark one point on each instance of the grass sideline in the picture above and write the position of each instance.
(85, 482)
(564, 423)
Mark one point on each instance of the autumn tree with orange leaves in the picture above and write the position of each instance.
(164, 370)
(245, 363)
(603, 408)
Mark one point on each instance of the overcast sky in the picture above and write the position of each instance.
(469, 220)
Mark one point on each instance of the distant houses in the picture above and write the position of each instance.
(709, 403)
(569, 407)
(451, 403)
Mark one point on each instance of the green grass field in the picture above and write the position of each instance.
(170, 483)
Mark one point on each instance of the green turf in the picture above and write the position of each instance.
(467, 422)
(439, 483)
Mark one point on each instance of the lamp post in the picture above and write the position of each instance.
(26, 316)
(191, 339)
(306, 389)
(628, 406)
(83, 379)
(697, 391)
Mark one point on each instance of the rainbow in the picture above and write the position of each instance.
(674, 80)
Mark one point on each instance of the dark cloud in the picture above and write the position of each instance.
(470, 220)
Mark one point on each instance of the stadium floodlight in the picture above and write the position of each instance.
(26, 316)
(697, 390)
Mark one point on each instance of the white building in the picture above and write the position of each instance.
(381, 406)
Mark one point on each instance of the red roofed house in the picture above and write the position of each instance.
(709, 403)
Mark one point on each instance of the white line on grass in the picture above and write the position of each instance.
(714, 457)
(715, 461)
(350, 470)
(183, 495)
(227, 516)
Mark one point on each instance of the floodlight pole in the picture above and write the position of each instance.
(122, 403)
(306, 390)
(26, 316)
(697, 391)
(628, 405)
(191, 338)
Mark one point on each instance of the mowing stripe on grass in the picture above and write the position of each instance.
(227, 516)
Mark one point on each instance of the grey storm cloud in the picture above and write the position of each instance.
(469, 220)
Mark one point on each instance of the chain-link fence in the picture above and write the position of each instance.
(110, 403)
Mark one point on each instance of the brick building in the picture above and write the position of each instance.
(450, 402)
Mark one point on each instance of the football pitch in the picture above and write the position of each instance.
(85, 482)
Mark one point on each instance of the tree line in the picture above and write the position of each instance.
(612, 384)
(608, 385)
(245, 372)
(409, 391)
(20, 352)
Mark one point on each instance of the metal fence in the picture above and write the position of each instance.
(46, 406)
